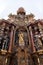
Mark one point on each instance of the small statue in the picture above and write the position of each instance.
(38, 44)
(5, 43)
(21, 38)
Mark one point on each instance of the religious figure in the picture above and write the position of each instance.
(21, 38)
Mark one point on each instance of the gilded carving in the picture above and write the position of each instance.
(21, 38)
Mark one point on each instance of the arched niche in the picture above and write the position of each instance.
(21, 37)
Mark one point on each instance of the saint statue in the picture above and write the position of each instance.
(21, 39)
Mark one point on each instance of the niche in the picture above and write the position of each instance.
(21, 37)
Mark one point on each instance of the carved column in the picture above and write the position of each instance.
(32, 42)
(11, 40)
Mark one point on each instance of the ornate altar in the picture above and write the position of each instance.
(21, 40)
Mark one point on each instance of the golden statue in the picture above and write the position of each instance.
(21, 38)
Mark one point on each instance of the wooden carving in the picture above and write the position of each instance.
(21, 40)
